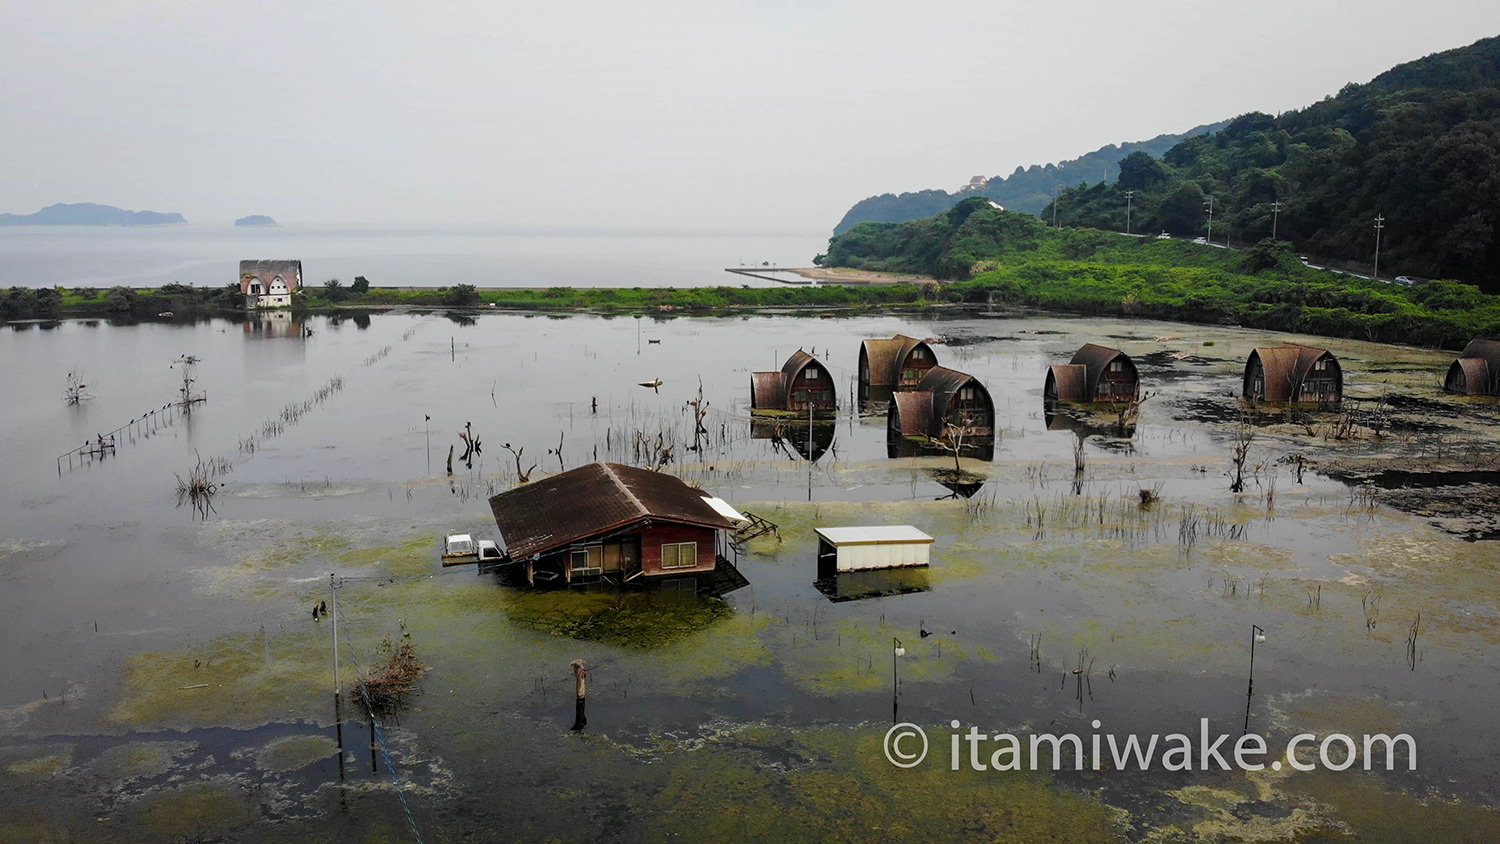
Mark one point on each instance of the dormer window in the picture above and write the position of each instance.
(812, 374)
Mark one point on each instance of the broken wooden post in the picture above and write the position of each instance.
(580, 677)
(450, 458)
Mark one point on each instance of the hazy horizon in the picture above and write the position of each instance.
(761, 116)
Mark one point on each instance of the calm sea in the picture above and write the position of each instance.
(104, 256)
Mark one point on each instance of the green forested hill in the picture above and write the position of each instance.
(1027, 189)
(1418, 146)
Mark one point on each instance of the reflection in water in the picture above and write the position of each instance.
(858, 585)
(1086, 423)
(272, 325)
(960, 484)
(809, 441)
(982, 448)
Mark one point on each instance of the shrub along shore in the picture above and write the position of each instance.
(1432, 313)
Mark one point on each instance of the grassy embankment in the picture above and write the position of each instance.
(1012, 258)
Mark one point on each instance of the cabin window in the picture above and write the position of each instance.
(679, 555)
(918, 354)
(966, 394)
(909, 376)
(799, 395)
(812, 374)
(1321, 364)
(1117, 366)
(584, 561)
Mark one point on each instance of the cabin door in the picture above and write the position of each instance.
(624, 555)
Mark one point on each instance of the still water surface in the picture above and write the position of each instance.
(123, 602)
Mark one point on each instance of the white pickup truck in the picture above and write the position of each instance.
(461, 548)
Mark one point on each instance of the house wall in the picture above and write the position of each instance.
(819, 390)
(979, 409)
(1255, 380)
(653, 537)
(913, 368)
(1121, 384)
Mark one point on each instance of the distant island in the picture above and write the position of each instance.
(255, 220)
(90, 214)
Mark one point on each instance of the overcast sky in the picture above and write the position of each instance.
(765, 115)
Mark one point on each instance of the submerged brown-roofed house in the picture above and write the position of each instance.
(887, 366)
(1476, 372)
(270, 284)
(802, 384)
(1095, 374)
(614, 521)
(944, 398)
(1293, 374)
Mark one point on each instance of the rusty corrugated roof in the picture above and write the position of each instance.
(1097, 358)
(1286, 367)
(885, 358)
(1071, 381)
(1476, 375)
(912, 412)
(591, 501)
(768, 390)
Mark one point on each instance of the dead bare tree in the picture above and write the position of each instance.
(1239, 453)
(1127, 412)
(523, 474)
(188, 368)
(471, 445)
(955, 436)
(76, 391)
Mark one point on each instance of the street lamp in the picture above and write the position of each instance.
(896, 652)
(1256, 635)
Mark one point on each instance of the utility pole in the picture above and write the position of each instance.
(1056, 192)
(1130, 194)
(1275, 211)
(1379, 224)
(1209, 204)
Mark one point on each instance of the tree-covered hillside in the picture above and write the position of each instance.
(1027, 189)
(1417, 147)
(1008, 256)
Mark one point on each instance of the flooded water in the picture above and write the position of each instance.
(166, 679)
(209, 256)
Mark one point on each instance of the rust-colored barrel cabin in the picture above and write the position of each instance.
(945, 402)
(1476, 372)
(802, 384)
(610, 521)
(890, 366)
(1095, 374)
(1293, 374)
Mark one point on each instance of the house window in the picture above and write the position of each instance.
(966, 394)
(909, 376)
(799, 395)
(812, 374)
(1117, 366)
(1321, 364)
(679, 555)
(585, 561)
(918, 354)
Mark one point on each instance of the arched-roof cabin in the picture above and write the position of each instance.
(1476, 372)
(1096, 374)
(1292, 374)
(802, 384)
(887, 366)
(942, 398)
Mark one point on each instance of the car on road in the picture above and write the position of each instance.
(1406, 280)
(1201, 241)
(1163, 236)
